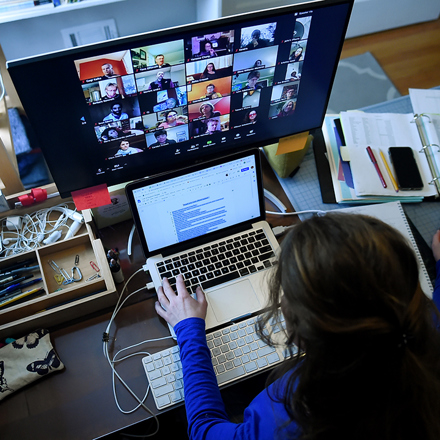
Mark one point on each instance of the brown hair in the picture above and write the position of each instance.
(350, 294)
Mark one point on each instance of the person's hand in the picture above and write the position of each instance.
(181, 306)
(436, 245)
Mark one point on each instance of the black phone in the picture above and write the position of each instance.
(405, 168)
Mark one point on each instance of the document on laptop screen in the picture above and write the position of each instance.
(194, 204)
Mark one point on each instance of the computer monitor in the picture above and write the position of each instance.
(136, 106)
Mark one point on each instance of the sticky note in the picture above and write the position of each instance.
(295, 142)
(92, 197)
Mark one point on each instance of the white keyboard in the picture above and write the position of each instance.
(236, 352)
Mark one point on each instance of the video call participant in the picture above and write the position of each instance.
(251, 116)
(208, 50)
(207, 110)
(111, 91)
(252, 80)
(209, 72)
(257, 42)
(212, 126)
(162, 139)
(173, 120)
(294, 76)
(290, 93)
(116, 113)
(287, 110)
(296, 56)
(211, 93)
(161, 83)
(112, 133)
(107, 70)
(126, 150)
(160, 61)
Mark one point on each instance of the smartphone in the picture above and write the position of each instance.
(405, 168)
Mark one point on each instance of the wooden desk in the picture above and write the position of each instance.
(78, 402)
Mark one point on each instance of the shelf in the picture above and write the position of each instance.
(42, 10)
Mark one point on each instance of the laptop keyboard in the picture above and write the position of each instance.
(220, 262)
(236, 352)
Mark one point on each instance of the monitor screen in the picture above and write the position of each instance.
(115, 111)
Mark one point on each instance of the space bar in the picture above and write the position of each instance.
(229, 375)
(220, 280)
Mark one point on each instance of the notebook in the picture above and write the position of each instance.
(208, 223)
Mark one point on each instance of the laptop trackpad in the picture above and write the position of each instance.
(234, 300)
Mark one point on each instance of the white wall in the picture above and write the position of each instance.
(368, 16)
(42, 34)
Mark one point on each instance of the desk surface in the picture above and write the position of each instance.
(78, 402)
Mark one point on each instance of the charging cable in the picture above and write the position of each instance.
(116, 359)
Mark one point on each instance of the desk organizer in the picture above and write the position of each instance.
(61, 302)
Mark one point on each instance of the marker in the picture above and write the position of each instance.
(393, 180)
(373, 159)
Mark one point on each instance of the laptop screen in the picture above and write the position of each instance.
(213, 197)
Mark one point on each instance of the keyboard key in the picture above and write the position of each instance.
(230, 374)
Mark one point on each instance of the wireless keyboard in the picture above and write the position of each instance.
(236, 352)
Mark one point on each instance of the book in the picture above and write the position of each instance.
(354, 176)
(393, 214)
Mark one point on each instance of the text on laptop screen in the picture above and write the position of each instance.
(135, 106)
(189, 206)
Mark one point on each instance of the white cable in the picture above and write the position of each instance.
(112, 362)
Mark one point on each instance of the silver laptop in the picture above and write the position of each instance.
(207, 222)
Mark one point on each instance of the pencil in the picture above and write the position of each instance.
(393, 181)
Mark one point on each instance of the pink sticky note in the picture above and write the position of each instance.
(92, 197)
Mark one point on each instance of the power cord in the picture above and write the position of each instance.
(115, 360)
(280, 230)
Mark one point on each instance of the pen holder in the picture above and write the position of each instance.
(286, 164)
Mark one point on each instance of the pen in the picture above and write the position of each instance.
(373, 159)
(393, 180)
(4, 282)
(13, 298)
(19, 286)
(8, 270)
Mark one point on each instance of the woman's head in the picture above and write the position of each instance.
(171, 117)
(288, 106)
(347, 279)
(251, 116)
(206, 109)
(210, 67)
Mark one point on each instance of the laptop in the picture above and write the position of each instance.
(208, 223)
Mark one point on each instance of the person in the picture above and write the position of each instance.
(126, 150)
(160, 61)
(368, 337)
(287, 109)
(250, 117)
(258, 63)
(111, 133)
(161, 83)
(290, 93)
(211, 126)
(162, 139)
(116, 113)
(111, 91)
(208, 50)
(107, 70)
(211, 93)
(171, 103)
(296, 56)
(209, 72)
(294, 76)
(257, 42)
(207, 110)
(252, 80)
(172, 119)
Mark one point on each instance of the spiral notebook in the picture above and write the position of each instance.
(393, 214)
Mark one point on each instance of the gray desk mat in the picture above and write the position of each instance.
(304, 193)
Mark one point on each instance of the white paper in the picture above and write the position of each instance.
(380, 131)
(425, 100)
